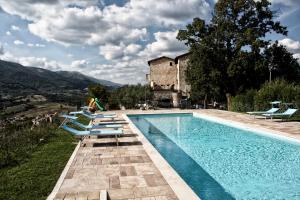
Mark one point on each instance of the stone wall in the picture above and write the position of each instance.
(163, 94)
(182, 84)
(163, 74)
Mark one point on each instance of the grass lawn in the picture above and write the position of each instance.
(35, 178)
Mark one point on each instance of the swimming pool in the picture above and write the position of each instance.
(223, 162)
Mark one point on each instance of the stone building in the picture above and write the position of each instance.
(167, 78)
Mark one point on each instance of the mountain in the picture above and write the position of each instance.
(80, 76)
(19, 79)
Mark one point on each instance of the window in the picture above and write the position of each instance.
(171, 63)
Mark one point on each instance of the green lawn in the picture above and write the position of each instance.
(35, 178)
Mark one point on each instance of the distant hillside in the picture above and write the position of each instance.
(79, 76)
(17, 78)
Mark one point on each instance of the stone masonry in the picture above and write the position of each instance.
(167, 78)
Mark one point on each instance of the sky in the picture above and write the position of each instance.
(111, 39)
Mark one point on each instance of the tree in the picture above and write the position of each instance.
(229, 55)
(282, 63)
(98, 91)
(130, 95)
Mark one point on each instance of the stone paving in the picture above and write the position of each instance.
(125, 171)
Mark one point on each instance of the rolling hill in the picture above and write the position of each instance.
(16, 78)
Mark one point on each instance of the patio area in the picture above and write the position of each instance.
(132, 170)
(124, 171)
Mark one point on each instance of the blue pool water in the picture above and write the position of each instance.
(222, 162)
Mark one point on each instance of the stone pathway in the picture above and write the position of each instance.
(126, 172)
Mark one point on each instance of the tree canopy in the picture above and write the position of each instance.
(98, 91)
(232, 53)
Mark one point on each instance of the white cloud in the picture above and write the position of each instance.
(41, 62)
(131, 60)
(8, 33)
(79, 64)
(161, 13)
(36, 45)
(15, 28)
(57, 21)
(116, 52)
(165, 44)
(297, 56)
(18, 42)
(111, 52)
(290, 44)
(120, 32)
(40, 45)
(293, 46)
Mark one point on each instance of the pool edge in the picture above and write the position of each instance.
(178, 185)
(284, 136)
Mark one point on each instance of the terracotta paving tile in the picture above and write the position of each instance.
(70, 196)
(114, 182)
(140, 192)
(160, 190)
(93, 196)
(108, 170)
(120, 194)
(82, 196)
(153, 180)
(59, 196)
(145, 168)
(85, 172)
(70, 174)
(127, 171)
(132, 181)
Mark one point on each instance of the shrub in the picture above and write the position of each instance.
(243, 102)
(129, 96)
(277, 90)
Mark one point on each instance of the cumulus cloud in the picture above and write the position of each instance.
(18, 42)
(290, 44)
(8, 33)
(121, 33)
(293, 46)
(79, 64)
(31, 61)
(15, 28)
(61, 22)
(163, 13)
(297, 55)
(116, 52)
(132, 71)
(165, 44)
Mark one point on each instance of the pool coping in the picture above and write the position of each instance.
(285, 136)
(178, 185)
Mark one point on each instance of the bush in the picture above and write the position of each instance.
(277, 90)
(243, 102)
(129, 96)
